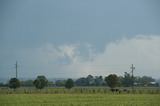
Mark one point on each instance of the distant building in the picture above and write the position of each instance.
(153, 84)
(149, 84)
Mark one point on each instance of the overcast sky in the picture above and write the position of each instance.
(75, 38)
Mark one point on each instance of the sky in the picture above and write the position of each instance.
(76, 38)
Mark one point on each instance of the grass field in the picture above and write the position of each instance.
(80, 100)
(86, 90)
(79, 96)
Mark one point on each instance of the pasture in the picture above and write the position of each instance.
(84, 89)
(80, 100)
(79, 96)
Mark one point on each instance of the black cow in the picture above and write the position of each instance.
(126, 90)
(114, 90)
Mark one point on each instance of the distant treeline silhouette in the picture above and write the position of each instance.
(127, 80)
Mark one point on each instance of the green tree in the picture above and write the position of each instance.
(14, 83)
(98, 80)
(81, 82)
(90, 80)
(40, 82)
(120, 78)
(60, 83)
(127, 80)
(112, 80)
(69, 84)
(27, 83)
(37, 84)
(144, 80)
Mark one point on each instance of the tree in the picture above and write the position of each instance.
(120, 78)
(81, 82)
(127, 80)
(60, 83)
(27, 83)
(14, 83)
(69, 84)
(40, 82)
(90, 80)
(51, 83)
(98, 80)
(37, 84)
(145, 80)
(112, 80)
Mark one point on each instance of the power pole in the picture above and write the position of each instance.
(132, 68)
(16, 68)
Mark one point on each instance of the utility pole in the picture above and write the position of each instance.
(16, 68)
(132, 68)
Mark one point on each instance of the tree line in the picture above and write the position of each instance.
(111, 80)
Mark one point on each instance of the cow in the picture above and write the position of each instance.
(114, 90)
(126, 90)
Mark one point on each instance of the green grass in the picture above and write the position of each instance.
(88, 90)
(79, 96)
(80, 99)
